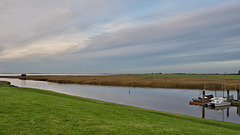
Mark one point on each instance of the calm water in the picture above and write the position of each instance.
(168, 100)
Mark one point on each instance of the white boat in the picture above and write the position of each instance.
(218, 101)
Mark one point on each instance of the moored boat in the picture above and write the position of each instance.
(199, 100)
(218, 101)
(195, 103)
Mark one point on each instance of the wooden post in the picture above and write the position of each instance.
(228, 95)
(223, 88)
(227, 112)
(203, 105)
(203, 99)
(203, 112)
(224, 83)
(238, 110)
(237, 94)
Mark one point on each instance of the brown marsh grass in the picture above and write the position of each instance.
(142, 81)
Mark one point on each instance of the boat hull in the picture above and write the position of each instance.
(194, 103)
(200, 100)
(219, 104)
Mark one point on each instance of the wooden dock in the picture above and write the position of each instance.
(235, 103)
(230, 99)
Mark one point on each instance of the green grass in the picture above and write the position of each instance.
(4, 84)
(33, 111)
(183, 76)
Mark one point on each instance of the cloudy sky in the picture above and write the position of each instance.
(119, 36)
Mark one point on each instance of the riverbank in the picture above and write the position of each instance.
(4, 84)
(175, 81)
(33, 111)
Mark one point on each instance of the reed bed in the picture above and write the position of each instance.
(209, 82)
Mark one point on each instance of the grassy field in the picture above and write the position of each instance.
(33, 111)
(215, 76)
(175, 81)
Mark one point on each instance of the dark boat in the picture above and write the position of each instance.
(199, 100)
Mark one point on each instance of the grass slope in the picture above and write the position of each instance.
(33, 111)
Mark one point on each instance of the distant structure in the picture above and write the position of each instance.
(23, 75)
(239, 72)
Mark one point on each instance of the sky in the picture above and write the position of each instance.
(119, 36)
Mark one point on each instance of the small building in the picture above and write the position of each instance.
(23, 75)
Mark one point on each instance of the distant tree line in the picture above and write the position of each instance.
(199, 73)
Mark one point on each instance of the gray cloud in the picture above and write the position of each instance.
(183, 33)
(200, 36)
(189, 26)
(86, 37)
(26, 22)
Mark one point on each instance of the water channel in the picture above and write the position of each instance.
(168, 100)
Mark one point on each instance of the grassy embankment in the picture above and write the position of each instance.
(178, 81)
(33, 111)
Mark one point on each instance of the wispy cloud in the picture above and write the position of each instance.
(115, 36)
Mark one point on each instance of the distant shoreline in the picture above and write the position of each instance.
(174, 81)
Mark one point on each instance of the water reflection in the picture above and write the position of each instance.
(238, 110)
(221, 111)
(227, 112)
(203, 112)
(23, 83)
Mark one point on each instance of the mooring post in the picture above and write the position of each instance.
(227, 112)
(203, 112)
(237, 94)
(203, 99)
(203, 105)
(227, 95)
(238, 110)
